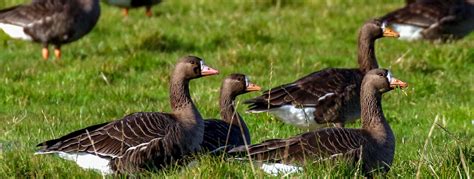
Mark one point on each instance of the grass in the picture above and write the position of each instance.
(123, 66)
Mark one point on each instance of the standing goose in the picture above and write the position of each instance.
(375, 141)
(50, 22)
(142, 140)
(231, 130)
(433, 19)
(127, 4)
(327, 96)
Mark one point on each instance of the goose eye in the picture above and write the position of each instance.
(381, 74)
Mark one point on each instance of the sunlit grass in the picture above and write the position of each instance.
(123, 66)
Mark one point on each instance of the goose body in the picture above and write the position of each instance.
(231, 130)
(50, 22)
(143, 140)
(433, 19)
(375, 141)
(327, 96)
(127, 4)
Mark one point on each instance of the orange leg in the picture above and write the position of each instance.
(148, 11)
(57, 52)
(45, 53)
(125, 11)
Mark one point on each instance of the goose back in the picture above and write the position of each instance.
(375, 142)
(144, 140)
(327, 96)
(51, 21)
(433, 19)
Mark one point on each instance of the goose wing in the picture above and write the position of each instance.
(319, 145)
(424, 13)
(218, 133)
(326, 90)
(112, 139)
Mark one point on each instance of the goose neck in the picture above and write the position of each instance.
(372, 115)
(366, 52)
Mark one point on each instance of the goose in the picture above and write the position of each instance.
(327, 96)
(374, 142)
(438, 20)
(50, 22)
(231, 130)
(143, 140)
(127, 4)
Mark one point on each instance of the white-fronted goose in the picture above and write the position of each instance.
(433, 19)
(327, 96)
(374, 142)
(143, 140)
(231, 130)
(127, 4)
(50, 22)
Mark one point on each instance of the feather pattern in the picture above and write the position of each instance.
(54, 21)
(312, 91)
(437, 19)
(332, 94)
(143, 140)
(374, 142)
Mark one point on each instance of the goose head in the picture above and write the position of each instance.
(382, 80)
(378, 29)
(191, 67)
(238, 84)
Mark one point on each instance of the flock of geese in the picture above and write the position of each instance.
(153, 140)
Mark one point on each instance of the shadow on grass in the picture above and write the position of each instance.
(165, 43)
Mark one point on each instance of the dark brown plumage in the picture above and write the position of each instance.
(51, 22)
(327, 96)
(231, 130)
(143, 140)
(433, 19)
(375, 141)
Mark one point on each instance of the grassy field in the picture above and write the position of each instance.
(123, 66)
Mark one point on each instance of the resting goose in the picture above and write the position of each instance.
(127, 4)
(231, 130)
(433, 19)
(50, 22)
(142, 140)
(327, 96)
(374, 142)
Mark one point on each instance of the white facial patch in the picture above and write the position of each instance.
(384, 25)
(202, 65)
(247, 82)
(389, 77)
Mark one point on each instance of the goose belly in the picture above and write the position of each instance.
(408, 32)
(14, 31)
(299, 117)
(276, 169)
(86, 161)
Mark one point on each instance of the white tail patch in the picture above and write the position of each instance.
(276, 169)
(86, 161)
(14, 31)
(408, 32)
(299, 117)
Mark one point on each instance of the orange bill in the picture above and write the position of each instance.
(207, 71)
(396, 83)
(388, 32)
(253, 87)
